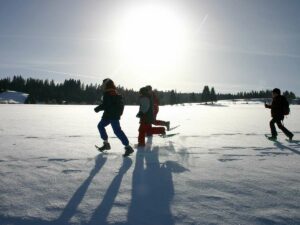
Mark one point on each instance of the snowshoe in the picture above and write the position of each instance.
(168, 135)
(271, 138)
(173, 128)
(105, 146)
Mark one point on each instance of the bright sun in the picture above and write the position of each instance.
(151, 36)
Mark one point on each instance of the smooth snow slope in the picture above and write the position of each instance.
(220, 169)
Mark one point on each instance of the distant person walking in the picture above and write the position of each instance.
(146, 117)
(155, 102)
(279, 108)
(113, 106)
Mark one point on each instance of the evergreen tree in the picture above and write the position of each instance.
(74, 91)
(289, 95)
(213, 96)
(192, 97)
(205, 94)
(173, 98)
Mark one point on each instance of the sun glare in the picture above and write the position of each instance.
(151, 36)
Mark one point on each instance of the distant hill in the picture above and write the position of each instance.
(13, 97)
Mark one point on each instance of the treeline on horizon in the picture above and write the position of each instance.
(73, 91)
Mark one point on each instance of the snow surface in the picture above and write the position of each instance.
(13, 97)
(220, 169)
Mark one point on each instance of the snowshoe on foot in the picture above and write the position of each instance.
(173, 128)
(128, 151)
(271, 138)
(106, 146)
(168, 135)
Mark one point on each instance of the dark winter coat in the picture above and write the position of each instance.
(112, 105)
(278, 106)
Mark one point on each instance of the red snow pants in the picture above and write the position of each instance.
(147, 129)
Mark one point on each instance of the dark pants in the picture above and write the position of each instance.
(116, 128)
(280, 126)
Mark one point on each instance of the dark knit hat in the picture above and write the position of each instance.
(144, 91)
(149, 87)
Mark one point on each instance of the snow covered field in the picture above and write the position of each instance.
(220, 169)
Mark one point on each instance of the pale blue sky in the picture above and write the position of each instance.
(234, 45)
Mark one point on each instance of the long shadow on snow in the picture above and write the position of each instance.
(152, 189)
(101, 213)
(70, 208)
(152, 193)
(284, 147)
(72, 205)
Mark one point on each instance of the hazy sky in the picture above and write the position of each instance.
(233, 45)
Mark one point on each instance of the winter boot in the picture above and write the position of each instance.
(291, 137)
(273, 138)
(128, 150)
(106, 146)
(163, 134)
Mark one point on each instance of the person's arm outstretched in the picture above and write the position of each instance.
(268, 106)
(102, 106)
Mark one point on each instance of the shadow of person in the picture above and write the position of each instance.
(71, 206)
(101, 213)
(284, 147)
(152, 189)
(73, 203)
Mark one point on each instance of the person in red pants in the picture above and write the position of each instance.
(146, 117)
(155, 101)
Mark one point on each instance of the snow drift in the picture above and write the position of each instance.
(13, 97)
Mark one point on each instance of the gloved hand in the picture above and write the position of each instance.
(139, 114)
(97, 109)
